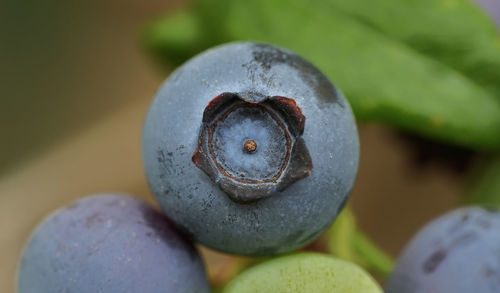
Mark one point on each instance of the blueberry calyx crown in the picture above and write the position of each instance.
(251, 146)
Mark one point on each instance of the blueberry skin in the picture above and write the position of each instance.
(459, 252)
(285, 221)
(109, 243)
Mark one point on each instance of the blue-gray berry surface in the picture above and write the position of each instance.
(250, 149)
(457, 253)
(112, 244)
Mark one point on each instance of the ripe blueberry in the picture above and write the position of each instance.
(458, 252)
(250, 149)
(109, 243)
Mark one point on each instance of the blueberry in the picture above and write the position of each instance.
(109, 243)
(458, 252)
(250, 149)
(304, 272)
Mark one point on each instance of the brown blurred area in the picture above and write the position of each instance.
(75, 86)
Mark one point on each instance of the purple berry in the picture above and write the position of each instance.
(459, 252)
(109, 243)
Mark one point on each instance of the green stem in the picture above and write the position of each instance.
(371, 254)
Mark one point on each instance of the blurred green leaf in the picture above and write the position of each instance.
(384, 80)
(457, 32)
(212, 15)
(485, 189)
(175, 37)
(184, 32)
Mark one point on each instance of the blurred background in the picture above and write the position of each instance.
(75, 83)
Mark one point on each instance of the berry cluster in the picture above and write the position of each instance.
(250, 150)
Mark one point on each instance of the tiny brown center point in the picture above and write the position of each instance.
(250, 146)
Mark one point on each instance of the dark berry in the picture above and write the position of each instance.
(109, 243)
(250, 149)
(458, 252)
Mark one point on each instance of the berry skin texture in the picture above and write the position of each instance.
(109, 243)
(204, 172)
(458, 252)
(304, 272)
